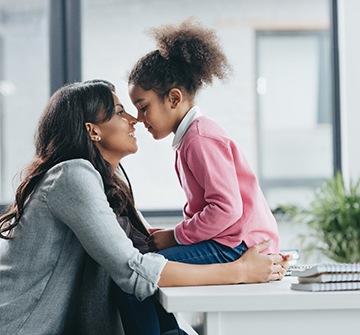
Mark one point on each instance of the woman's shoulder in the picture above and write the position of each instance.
(73, 166)
(72, 173)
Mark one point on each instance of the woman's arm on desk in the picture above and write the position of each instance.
(251, 267)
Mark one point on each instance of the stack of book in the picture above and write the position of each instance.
(327, 277)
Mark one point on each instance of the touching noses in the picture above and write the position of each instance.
(140, 117)
(132, 120)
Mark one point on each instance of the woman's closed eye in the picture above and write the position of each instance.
(142, 109)
(119, 111)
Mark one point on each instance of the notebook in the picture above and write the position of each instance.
(331, 277)
(296, 267)
(326, 268)
(327, 277)
(316, 287)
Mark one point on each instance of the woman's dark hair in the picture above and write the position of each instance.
(103, 81)
(61, 136)
(188, 56)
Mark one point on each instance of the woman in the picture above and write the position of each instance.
(70, 208)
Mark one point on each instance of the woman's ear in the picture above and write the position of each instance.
(175, 97)
(93, 131)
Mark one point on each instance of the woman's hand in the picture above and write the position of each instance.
(251, 267)
(258, 268)
(161, 239)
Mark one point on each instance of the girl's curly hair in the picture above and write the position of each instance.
(188, 55)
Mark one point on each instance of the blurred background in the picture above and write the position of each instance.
(289, 104)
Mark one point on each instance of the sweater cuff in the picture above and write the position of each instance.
(176, 238)
(148, 270)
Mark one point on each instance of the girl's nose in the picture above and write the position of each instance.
(140, 117)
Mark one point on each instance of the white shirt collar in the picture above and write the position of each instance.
(190, 116)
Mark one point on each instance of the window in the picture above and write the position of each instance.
(258, 37)
(294, 113)
(24, 84)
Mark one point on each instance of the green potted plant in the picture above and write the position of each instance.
(333, 219)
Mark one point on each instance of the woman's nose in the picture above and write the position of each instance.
(133, 120)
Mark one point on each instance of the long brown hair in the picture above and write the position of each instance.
(62, 136)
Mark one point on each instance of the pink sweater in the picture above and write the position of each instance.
(224, 200)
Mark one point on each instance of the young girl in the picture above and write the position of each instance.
(226, 211)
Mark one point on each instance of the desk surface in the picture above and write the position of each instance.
(273, 296)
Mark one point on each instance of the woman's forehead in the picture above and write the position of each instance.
(116, 99)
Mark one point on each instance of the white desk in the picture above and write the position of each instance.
(271, 308)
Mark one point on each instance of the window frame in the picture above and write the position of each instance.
(65, 42)
(65, 61)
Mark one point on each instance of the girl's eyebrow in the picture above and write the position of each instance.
(138, 100)
(120, 105)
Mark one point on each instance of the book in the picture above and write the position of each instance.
(296, 267)
(331, 277)
(327, 277)
(326, 268)
(318, 287)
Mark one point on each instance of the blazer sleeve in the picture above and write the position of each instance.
(76, 197)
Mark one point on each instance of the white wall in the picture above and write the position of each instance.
(113, 38)
(349, 39)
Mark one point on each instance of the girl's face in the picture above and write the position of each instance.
(160, 118)
(115, 138)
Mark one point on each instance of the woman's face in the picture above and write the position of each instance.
(117, 136)
(158, 117)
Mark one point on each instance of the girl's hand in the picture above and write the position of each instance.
(161, 239)
(153, 230)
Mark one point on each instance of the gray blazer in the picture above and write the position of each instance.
(66, 220)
